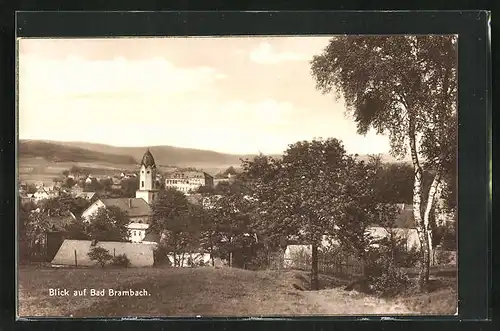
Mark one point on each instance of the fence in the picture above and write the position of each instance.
(339, 266)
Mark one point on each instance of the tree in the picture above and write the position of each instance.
(172, 218)
(25, 229)
(68, 182)
(106, 183)
(65, 173)
(100, 254)
(31, 188)
(233, 211)
(363, 207)
(211, 228)
(93, 186)
(108, 224)
(129, 187)
(405, 86)
(299, 196)
(33, 225)
(64, 203)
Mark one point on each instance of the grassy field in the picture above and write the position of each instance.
(207, 292)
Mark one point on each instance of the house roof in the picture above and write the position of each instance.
(132, 206)
(139, 255)
(404, 219)
(57, 223)
(86, 195)
(187, 174)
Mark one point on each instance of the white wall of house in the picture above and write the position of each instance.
(137, 231)
(410, 234)
(92, 209)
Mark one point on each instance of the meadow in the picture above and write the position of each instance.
(208, 292)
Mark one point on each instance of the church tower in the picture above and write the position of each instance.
(148, 189)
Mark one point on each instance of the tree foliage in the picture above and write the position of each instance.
(406, 87)
(129, 187)
(63, 203)
(108, 224)
(299, 196)
(174, 218)
(100, 254)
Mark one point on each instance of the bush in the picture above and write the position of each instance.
(100, 254)
(160, 256)
(384, 276)
(444, 257)
(121, 261)
(384, 267)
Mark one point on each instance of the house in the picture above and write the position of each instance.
(138, 209)
(90, 179)
(44, 192)
(86, 195)
(404, 227)
(75, 252)
(189, 181)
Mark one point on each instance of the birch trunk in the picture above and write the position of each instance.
(423, 278)
(430, 204)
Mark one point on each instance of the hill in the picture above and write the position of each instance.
(164, 155)
(54, 152)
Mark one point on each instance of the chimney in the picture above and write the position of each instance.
(130, 203)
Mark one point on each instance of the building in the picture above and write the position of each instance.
(85, 195)
(189, 181)
(44, 192)
(403, 227)
(138, 209)
(148, 188)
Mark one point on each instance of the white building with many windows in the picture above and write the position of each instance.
(189, 181)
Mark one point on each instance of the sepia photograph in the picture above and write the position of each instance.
(237, 176)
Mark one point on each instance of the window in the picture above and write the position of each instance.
(140, 221)
(142, 183)
(147, 172)
(142, 171)
(135, 233)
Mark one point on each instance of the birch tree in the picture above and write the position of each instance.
(406, 87)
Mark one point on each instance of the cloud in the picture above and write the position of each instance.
(265, 112)
(264, 54)
(78, 77)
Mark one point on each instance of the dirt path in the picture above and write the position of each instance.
(340, 302)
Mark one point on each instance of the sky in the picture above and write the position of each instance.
(234, 95)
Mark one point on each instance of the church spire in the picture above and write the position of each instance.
(148, 160)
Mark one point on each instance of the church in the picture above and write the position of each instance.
(139, 208)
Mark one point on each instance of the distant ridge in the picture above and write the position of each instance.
(59, 151)
(54, 152)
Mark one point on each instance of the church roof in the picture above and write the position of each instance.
(132, 206)
(148, 160)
